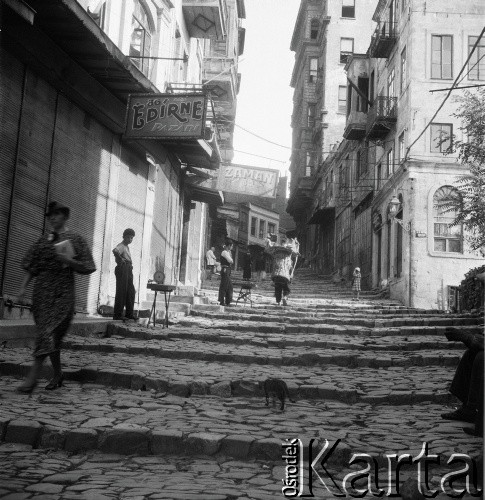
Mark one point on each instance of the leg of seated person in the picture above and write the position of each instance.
(460, 387)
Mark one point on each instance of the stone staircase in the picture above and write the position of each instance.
(372, 373)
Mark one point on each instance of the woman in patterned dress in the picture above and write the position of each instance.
(52, 267)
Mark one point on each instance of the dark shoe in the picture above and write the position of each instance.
(462, 415)
(55, 383)
(26, 389)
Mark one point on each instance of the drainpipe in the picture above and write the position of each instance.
(411, 230)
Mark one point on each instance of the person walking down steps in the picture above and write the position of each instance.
(225, 288)
(125, 290)
(52, 262)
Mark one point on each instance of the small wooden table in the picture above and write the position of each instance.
(245, 291)
(156, 287)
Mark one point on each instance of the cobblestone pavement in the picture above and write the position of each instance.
(180, 412)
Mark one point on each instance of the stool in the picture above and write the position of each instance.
(160, 288)
(244, 292)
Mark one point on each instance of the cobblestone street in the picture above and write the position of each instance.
(179, 413)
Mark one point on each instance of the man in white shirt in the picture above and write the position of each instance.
(125, 290)
(211, 260)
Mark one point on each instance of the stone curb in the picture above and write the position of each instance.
(204, 335)
(132, 439)
(233, 388)
(345, 360)
(367, 323)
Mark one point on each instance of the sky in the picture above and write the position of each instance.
(265, 99)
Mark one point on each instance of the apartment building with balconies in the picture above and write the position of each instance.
(326, 34)
(397, 142)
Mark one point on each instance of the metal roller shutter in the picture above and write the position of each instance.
(130, 211)
(81, 163)
(11, 85)
(32, 176)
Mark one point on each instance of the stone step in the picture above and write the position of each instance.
(368, 342)
(81, 417)
(323, 327)
(390, 385)
(275, 354)
(336, 319)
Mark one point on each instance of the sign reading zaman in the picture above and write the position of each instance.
(165, 116)
(248, 180)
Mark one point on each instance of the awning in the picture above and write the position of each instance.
(321, 215)
(206, 195)
(196, 152)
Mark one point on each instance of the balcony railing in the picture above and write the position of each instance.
(382, 114)
(383, 39)
(355, 128)
(221, 74)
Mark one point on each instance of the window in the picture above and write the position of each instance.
(313, 69)
(243, 222)
(262, 228)
(141, 38)
(391, 77)
(441, 137)
(390, 162)
(346, 49)
(447, 238)
(398, 255)
(371, 86)
(342, 99)
(348, 8)
(314, 27)
(308, 165)
(363, 86)
(332, 181)
(403, 71)
(441, 57)
(360, 163)
(378, 175)
(400, 147)
(311, 115)
(476, 65)
(254, 222)
(271, 228)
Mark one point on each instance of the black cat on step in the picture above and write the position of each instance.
(276, 387)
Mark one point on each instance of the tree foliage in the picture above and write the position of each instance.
(470, 205)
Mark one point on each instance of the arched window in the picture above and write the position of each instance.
(447, 238)
(141, 38)
(314, 27)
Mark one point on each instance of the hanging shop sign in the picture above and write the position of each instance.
(248, 180)
(165, 116)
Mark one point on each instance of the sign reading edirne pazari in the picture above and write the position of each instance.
(248, 180)
(171, 116)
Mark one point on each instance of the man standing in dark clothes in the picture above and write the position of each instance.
(247, 263)
(467, 384)
(225, 288)
(125, 290)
